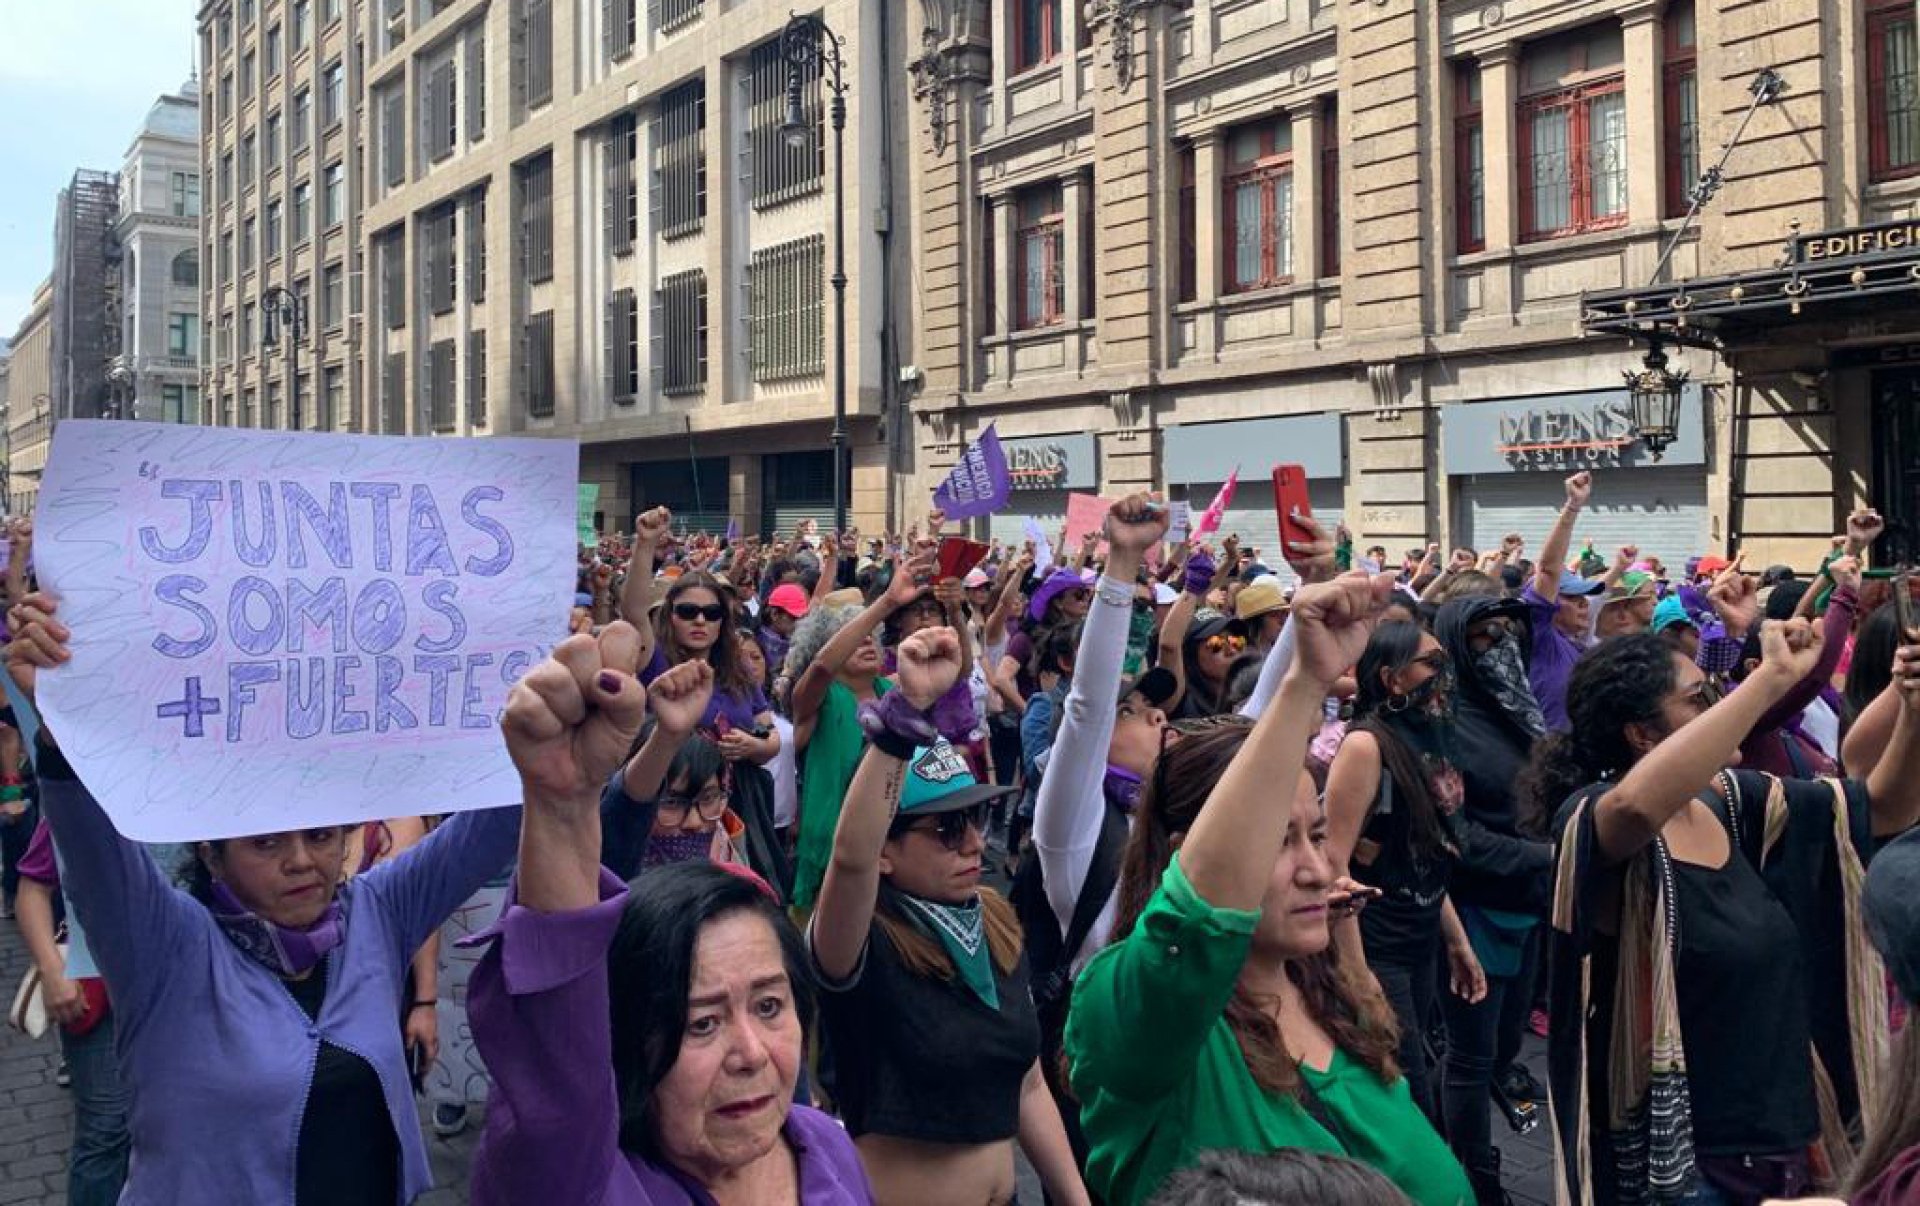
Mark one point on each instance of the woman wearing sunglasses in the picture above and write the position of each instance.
(925, 987)
(1712, 978)
(1393, 794)
(1219, 1017)
(1207, 655)
(697, 623)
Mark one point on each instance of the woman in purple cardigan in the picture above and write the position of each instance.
(644, 1040)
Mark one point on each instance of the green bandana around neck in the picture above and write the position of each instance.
(961, 930)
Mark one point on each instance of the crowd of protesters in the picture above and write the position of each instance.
(854, 870)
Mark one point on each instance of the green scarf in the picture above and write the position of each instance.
(962, 931)
(826, 771)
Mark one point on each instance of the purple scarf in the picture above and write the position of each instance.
(282, 951)
(1121, 787)
(677, 848)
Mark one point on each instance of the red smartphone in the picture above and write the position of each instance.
(958, 555)
(1289, 499)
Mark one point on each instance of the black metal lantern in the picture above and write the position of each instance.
(1654, 392)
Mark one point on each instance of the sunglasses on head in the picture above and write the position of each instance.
(1225, 642)
(950, 828)
(712, 613)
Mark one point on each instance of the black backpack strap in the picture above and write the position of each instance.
(1102, 874)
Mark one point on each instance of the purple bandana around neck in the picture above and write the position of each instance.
(279, 949)
(1121, 787)
(677, 848)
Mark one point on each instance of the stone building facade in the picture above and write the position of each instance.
(30, 401)
(1159, 240)
(156, 377)
(282, 151)
(577, 218)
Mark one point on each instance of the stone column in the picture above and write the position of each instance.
(1074, 247)
(1499, 92)
(1646, 166)
(1005, 317)
(1304, 118)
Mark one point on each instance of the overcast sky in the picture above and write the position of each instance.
(76, 80)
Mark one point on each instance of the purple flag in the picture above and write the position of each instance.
(979, 484)
(733, 531)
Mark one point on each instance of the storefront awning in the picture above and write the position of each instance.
(1827, 277)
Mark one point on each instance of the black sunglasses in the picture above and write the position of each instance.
(712, 613)
(950, 828)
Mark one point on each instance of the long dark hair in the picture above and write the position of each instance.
(1899, 1128)
(650, 973)
(1390, 650)
(1620, 681)
(1359, 1022)
(729, 673)
(1873, 647)
(1286, 1177)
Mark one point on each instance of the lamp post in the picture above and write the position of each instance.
(281, 305)
(808, 44)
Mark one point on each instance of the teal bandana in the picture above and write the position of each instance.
(961, 930)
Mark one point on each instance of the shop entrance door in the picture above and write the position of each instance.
(1896, 467)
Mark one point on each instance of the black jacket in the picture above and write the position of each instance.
(1500, 866)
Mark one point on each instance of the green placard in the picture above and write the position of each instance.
(589, 503)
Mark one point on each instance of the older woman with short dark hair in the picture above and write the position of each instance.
(644, 1039)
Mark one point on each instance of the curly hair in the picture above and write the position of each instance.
(1359, 1021)
(1620, 681)
(812, 633)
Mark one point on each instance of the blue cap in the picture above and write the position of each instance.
(939, 780)
(1573, 584)
(582, 599)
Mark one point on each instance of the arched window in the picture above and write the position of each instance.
(186, 268)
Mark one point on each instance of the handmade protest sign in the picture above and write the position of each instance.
(275, 630)
(1085, 513)
(587, 502)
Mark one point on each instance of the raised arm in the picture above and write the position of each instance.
(1659, 785)
(843, 915)
(569, 722)
(1067, 813)
(1005, 600)
(1553, 554)
(1229, 853)
(649, 529)
(1834, 627)
(1894, 784)
(137, 926)
(810, 689)
(1314, 561)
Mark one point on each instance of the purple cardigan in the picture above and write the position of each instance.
(218, 1054)
(538, 1006)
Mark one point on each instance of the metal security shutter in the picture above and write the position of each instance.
(1661, 511)
(695, 491)
(1048, 507)
(1253, 518)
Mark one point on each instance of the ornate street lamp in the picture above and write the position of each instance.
(808, 45)
(280, 306)
(1654, 393)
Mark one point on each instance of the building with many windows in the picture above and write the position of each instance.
(30, 401)
(1161, 240)
(281, 155)
(157, 373)
(576, 218)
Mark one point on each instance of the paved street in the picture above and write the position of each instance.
(36, 1121)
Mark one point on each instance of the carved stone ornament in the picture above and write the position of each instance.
(1491, 16)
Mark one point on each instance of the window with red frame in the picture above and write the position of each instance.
(1040, 244)
(1330, 190)
(1681, 102)
(1573, 134)
(1259, 205)
(1893, 91)
(1036, 32)
(1469, 160)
